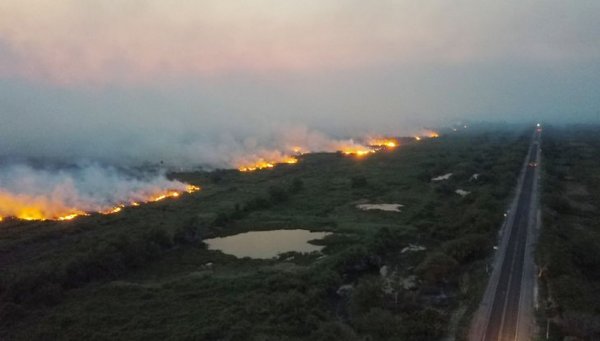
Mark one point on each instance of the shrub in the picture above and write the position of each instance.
(358, 181)
(467, 248)
(221, 219)
(367, 294)
(558, 203)
(428, 324)
(257, 203)
(333, 331)
(380, 323)
(278, 194)
(437, 267)
(159, 237)
(296, 186)
(186, 234)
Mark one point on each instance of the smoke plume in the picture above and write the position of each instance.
(27, 192)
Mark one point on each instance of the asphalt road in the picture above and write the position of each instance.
(507, 303)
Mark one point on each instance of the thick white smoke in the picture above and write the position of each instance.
(34, 193)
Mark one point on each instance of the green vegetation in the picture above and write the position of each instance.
(568, 251)
(145, 274)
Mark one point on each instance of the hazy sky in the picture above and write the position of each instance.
(143, 79)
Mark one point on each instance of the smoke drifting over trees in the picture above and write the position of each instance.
(215, 84)
(51, 193)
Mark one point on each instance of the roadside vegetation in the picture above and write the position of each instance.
(569, 246)
(145, 273)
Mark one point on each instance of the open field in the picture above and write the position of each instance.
(145, 274)
(568, 251)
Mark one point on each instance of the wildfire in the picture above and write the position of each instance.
(71, 216)
(427, 133)
(113, 210)
(384, 143)
(170, 194)
(357, 151)
(39, 208)
(262, 164)
(24, 210)
(431, 134)
(191, 189)
(291, 160)
(265, 159)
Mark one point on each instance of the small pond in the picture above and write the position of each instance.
(266, 244)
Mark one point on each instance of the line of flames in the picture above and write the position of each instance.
(36, 215)
(262, 164)
(374, 145)
(389, 143)
(427, 133)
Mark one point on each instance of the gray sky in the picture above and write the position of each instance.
(208, 81)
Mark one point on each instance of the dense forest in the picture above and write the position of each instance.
(568, 251)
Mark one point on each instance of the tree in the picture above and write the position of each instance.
(380, 323)
(467, 248)
(367, 294)
(296, 186)
(437, 267)
(278, 194)
(333, 331)
(358, 181)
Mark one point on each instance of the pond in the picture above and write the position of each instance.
(266, 244)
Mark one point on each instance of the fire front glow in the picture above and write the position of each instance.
(26, 209)
(346, 147)
(384, 143)
(427, 133)
(262, 164)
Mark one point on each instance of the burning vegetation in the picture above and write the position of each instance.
(350, 148)
(40, 207)
(427, 133)
(346, 147)
(262, 164)
(384, 143)
(65, 202)
(357, 151)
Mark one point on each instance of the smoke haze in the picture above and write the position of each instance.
(36, 193)
(220, 84)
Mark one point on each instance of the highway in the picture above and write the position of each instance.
(506, 311)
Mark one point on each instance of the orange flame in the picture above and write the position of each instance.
(71, 216)
(298, 150)
(112, 210)
(357, 151)
(262, 164)
(192, 188)
(170, 194)
(427, 133)
(384, 143)
(38, 208)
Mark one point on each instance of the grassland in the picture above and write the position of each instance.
(568, 251)
(145, 274)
